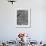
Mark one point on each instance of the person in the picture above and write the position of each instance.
(19, 19)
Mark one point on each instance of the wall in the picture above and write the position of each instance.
(8, 28)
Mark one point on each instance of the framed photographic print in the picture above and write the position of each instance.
(23, 17)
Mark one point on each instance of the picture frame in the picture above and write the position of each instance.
(23, 18)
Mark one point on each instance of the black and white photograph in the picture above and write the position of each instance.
(23, 17)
